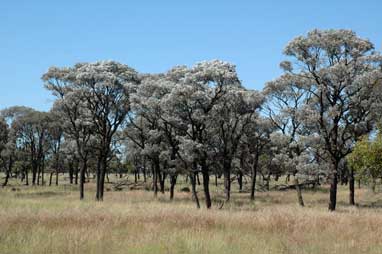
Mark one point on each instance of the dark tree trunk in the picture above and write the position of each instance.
(144, 171)
(197, 178)
(42, 173)
(6, 178)
(194, 193)
(172, 186)
(98, 180)
(8, 171)
(298, 190)
(34, 172)
(206, 184)
(155, 177)
(71, 172)
(102, 183)
(333, 189)
(351, 187)
(50, 178)
(76, 176)
(82, 179)
(57, 176)
(240, 181)
(38, 175)
(162, 178)
(227, 180)
(26, 177)
(103, 176)
(254, 175)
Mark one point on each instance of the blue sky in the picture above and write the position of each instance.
(153, 36)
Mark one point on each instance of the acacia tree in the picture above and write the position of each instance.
(339, 71)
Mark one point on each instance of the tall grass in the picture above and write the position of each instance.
(53, 220)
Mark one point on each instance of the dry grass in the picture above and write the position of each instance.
(52, 220)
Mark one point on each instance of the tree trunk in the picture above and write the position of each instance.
(298, 190)
(98, 179)
(197, 178)
(333, 189)
(227, 180)
(240, 181)
(162, 178)
(71, 171)
(254, 174)
(34, 172)
(82, 179)
(6, 178)
(50, 178)
(103, 176)
(76, 177)
(193, 187)
(206, 183)
(56, 176)
(38, 175)
(351, 187)
(8, 171)
(155, 177)
(26, 177)
(144, 171)
(42, 173)
(172, 186)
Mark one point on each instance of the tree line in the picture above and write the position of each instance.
(200, 121)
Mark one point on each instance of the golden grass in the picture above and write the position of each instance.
(53, 220)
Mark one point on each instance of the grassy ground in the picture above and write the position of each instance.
(53, 220)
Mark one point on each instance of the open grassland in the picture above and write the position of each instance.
(53, 220)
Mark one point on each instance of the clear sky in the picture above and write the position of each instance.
(153, 36)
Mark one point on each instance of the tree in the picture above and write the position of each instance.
(255, 142)
(30, 134)
(340, 72)
(285, 96)
(103, 88)
(191, 102)
(144, 129)
(55, 140)
(4, 132)
(366, 159)
(233, 115)
(70, 105)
